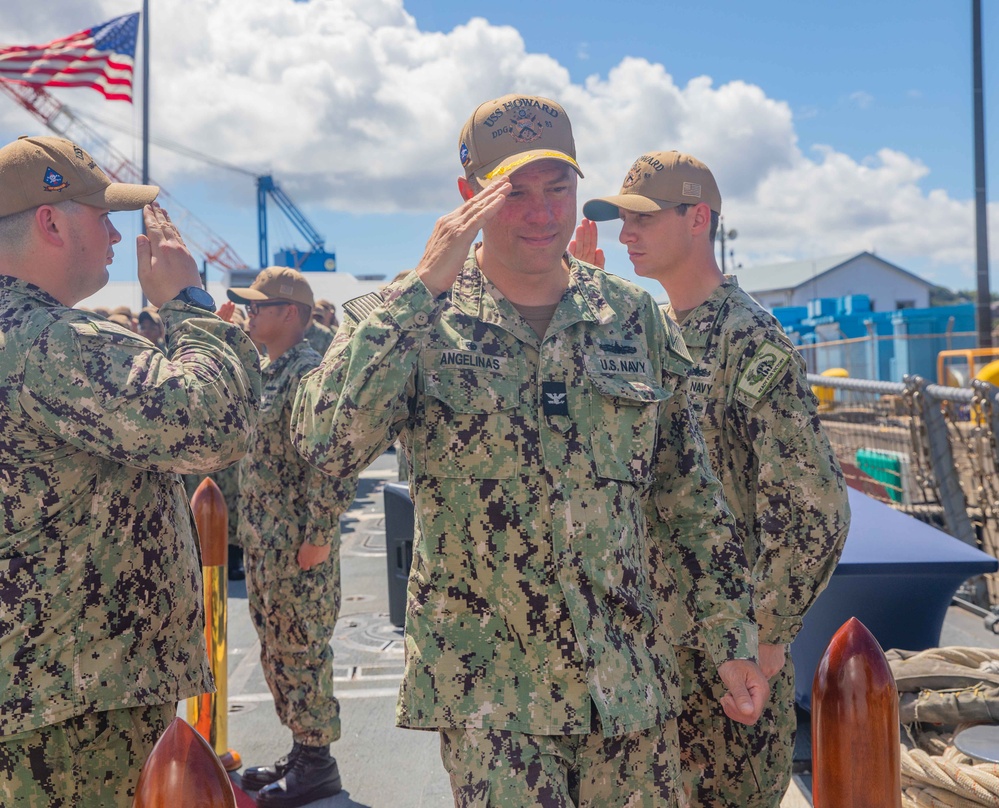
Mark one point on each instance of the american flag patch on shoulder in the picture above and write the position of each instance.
(360, 307)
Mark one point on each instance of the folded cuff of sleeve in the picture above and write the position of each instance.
(733, 641)
(777, 629)
(411, 305)
(174, 312)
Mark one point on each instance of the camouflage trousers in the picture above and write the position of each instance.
(88, 761)
(492, 768)
(724, 764)
(294, 612)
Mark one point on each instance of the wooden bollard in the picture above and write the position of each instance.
(209, 712)
(855, 736)
(183, 770)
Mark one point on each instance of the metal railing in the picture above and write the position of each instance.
(925, 449)
(887, 356)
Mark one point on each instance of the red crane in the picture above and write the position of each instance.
(61, 120)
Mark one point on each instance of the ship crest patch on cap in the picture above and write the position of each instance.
(635, 175)
(54, 181)
(526, 127)
(463, 155)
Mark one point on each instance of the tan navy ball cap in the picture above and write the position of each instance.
(275, 283)
(506, 134)
(46, 170)
(150, 313)
(657, 181)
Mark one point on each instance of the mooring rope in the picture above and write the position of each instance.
(952, 779)
(938, 775)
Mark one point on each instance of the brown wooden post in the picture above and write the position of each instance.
(181, 770)
(855, 733)
(209, 712)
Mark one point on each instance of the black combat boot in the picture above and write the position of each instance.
(257, 777)
(311, 775)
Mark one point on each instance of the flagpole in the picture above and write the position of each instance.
(983, 306)
(145, 108)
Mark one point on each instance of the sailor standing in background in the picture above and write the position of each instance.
(289, 529)
(767, 445)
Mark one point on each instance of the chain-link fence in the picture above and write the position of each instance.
(924, 449)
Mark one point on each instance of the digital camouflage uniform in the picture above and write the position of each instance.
(285, 502)
(319, 337)
(227, 480)
(785, 487)
(491, 767)
(101, 607)
(534, 462)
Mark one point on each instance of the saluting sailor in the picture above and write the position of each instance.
(555, 462)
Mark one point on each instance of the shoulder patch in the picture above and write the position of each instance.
(675, 341)
(763, 369)
(361, 307)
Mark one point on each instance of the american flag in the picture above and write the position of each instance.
(100, 57)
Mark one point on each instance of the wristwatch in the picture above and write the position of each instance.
(196, 296)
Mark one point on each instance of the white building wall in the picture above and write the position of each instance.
(887, 288)
(772, 300)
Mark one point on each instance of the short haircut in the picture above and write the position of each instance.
(14, 230)
(304, 312)
(681, 210)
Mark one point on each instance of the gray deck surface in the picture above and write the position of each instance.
(383, 766)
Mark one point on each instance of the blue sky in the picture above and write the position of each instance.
(858, 75)
(830, 127)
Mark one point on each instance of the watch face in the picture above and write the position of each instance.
(199, 297)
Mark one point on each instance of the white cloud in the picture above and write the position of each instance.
(353, 107)
(840, 205)
(861, 99)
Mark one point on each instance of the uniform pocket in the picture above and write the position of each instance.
(624, 421)
(470, 430)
